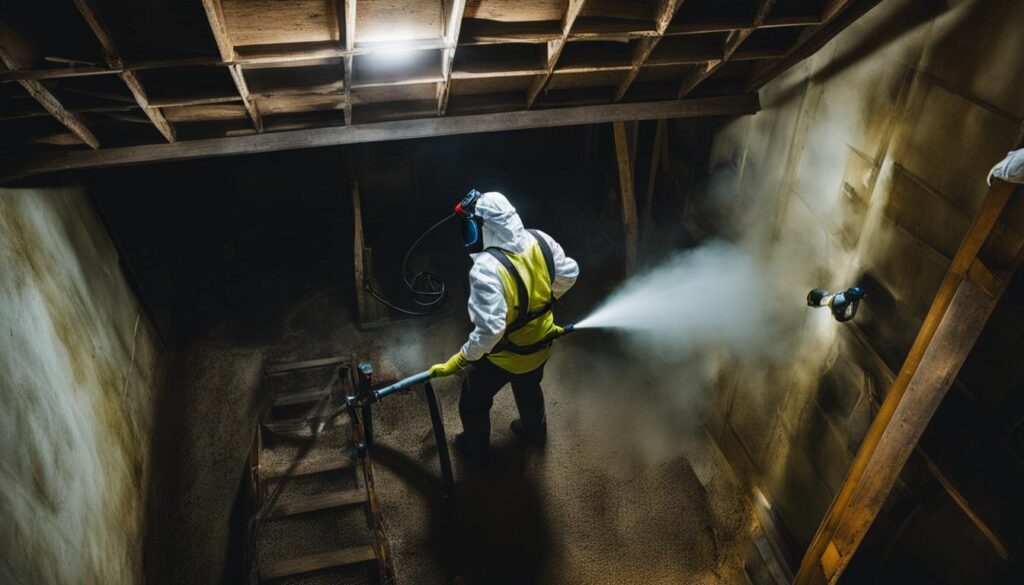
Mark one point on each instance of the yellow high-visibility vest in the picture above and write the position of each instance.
(528, 326)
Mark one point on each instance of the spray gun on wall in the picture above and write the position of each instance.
(843, 304)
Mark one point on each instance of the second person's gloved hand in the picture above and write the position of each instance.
(454, 365)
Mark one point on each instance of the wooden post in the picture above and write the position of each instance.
(652, 178)
(358, 244)
(958, 314)
(629, 222)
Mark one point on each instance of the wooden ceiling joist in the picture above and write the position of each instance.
(215, 14)
(349, 60)
(473, 57)
(732, 44)
(17, 52)
(666, 10)
(99, 28)
(554, 51)
(837, 15)
(12, 167)
(451, 37)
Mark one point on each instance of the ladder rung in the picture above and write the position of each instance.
(282, 368)
(300, 397)
(337, 558)
(306, 467)
(317, 502)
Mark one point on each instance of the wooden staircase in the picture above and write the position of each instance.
(316, 517)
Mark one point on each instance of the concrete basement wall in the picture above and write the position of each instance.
(865, 166)
(79, 371)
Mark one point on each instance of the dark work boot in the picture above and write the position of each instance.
(472, 455)
(520, 431)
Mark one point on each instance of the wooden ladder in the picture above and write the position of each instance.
(304, 435)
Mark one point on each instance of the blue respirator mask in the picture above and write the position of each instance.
(471, 222)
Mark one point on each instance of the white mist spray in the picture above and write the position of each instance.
(717, 293)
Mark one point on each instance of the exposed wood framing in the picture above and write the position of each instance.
(215, 14)
(732, 43)
(451, 38)
(666, 10)
(99, 28)
(958, 313)
(652, 177)
(358, 244)
(836, 16)
(349, 61)
(17, 52)
(25, 165)
(554, 51)
(629, 220)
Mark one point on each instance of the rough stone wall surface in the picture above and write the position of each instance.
(865, 166)
(79, 371)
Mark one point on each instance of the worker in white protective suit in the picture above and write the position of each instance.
(514, 281)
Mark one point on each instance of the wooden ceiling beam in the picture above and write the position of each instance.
(836, 16)
(12, 167)
(17, 52)
(349, 61)
(554, 51)
(666, 10)
(451, 37)
(732, 43)
(218, 26)
(113, 59)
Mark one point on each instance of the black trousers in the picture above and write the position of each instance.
(484, 381)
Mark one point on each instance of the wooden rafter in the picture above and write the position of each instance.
(958, 313)
(666, 10)
(554, 51)
(732, 43)
(451, 37)
(19, 166)
(836, 16)
(349, 61)
(215, 14)
(99, 28)
(17, 52)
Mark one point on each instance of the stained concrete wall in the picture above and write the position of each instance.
(865, 167)
(79, 371)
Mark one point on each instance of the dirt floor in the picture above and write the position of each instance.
(629, 488)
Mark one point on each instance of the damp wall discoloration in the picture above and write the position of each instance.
(79, 373)
(864, 166)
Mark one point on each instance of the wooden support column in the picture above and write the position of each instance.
(958, 313)
(451, 38)
(732, 43)
(350, 45)
(554, 52)
(629, 221)
(645, 46)
(215, 14)
(358, 243)
(17, 52)
(113, 58)
(652, 177)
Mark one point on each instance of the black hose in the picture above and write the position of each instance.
(427, 288)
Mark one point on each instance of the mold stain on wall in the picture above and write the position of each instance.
(79, 372)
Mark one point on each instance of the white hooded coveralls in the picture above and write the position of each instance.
(503, 229)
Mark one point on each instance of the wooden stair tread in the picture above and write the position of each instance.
(325, 501)
(306, 467)
(337, 558)
(281, 368)
(300, 397)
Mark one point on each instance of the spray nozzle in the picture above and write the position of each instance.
(844, 304)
